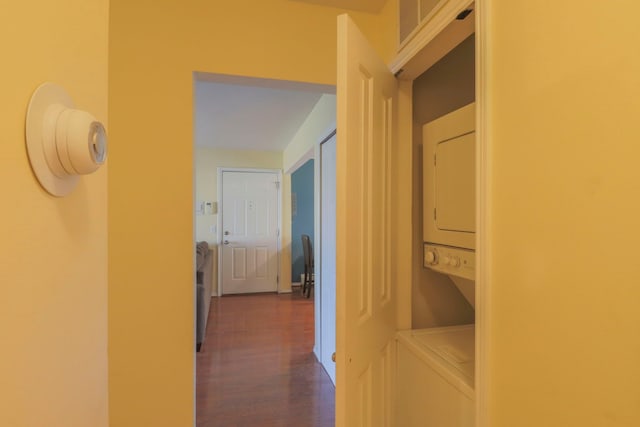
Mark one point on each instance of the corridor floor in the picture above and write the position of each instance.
(257, 367)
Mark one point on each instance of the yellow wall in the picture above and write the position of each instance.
(53, 251)
(154, 48)
(564, 135)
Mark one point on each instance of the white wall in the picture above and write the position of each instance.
(318, 124)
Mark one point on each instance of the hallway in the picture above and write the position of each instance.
(257, 366)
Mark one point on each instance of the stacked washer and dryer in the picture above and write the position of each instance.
(436, 365)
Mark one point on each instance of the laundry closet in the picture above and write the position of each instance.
(405, 328)
(436, 357)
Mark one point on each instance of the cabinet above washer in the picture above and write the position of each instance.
(413, 12)
(428, 30)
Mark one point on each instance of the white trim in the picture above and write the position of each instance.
(328, 133)
(421, 23)
(483, 215)
(194, 274)
(255, 170)
(223, 169)
(232, 79)
(310, 154)
(403, 215)
(219, 230)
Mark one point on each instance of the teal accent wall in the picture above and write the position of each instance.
(301, 215)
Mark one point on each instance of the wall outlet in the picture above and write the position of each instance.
(213, 229)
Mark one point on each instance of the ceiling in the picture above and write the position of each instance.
(251, 114)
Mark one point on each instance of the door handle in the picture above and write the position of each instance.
(333, 357)
(226, 242)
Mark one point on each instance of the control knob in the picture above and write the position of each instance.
(430, 257)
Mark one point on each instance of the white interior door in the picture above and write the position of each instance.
(365, 299)
(327, 288)
(249, 232)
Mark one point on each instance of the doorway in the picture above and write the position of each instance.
(236, 126)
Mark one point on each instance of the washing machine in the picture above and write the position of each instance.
(435, 373)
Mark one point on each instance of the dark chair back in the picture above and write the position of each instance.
(307, 251)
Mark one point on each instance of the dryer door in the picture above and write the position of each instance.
(449, 179)
(455, 184)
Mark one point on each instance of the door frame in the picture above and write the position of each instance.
(220, 173)
(429, 45)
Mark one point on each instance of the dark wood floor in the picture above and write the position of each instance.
(257, 367)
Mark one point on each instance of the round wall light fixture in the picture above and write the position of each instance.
(62, 142)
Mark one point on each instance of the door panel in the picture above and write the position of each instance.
(239, 262)
(262, 259)
(455, 184)
(250, 232)
(366, 307)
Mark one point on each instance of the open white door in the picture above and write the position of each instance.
(365, 299)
